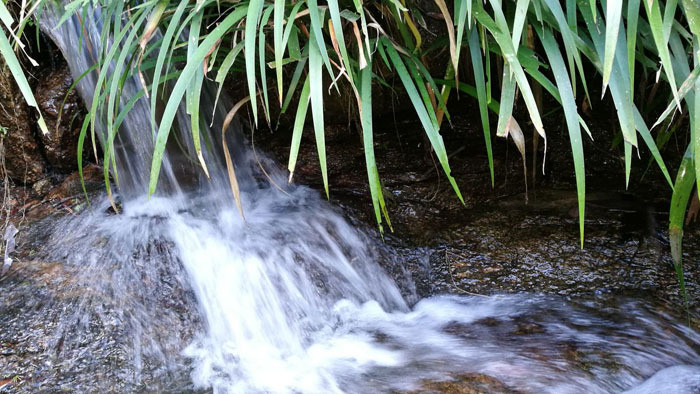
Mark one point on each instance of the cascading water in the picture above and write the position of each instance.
(292, 300)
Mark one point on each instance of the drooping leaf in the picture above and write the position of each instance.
(254, 12)
(298, 128)
(316, 92)
(178, 91)
(571, 115)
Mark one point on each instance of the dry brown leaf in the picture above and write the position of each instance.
(450, 34)
(235, 190)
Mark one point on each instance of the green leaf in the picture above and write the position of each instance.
(569, 38)
(316, 91)
(507, 98)
(493, 105)
(164, 48)
(613, 17)
(657, 30)
(298, 129)
(669, 17)
(692, 13)
(261, 61)
(251, 27)
(138, 18)
(460, 7)
(339, 36)
(316, 32)
(519, 21)
(619, 85)
(649, 141)
(375, 185)
(295, 78)
(432, 133)
(116, 83)
(500, 33)
(480, 83)
(179, 90)
(226, 67)
(632, 22)
(79, 156)
(278, 34)
(571, 115)
(687, 86)
(12, 63)
(682, 192)
(193, 93)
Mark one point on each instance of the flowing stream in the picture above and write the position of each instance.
(293, 300)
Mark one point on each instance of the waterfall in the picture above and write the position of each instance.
(292, 299)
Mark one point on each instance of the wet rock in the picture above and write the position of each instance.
(59, 144)
(466, 384)
(23, 161)
(681, 379)
(63, 333)
(42, 186)
(93, 176)
(46, 198)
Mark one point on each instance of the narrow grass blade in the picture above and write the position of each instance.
(251, 28)
(460, 10)
(506, 107)
(651, 144)
(225, 67)
(669, 17)
(480, 83)
(613, 16)
(682, 192)
(657, 30)
(316, 15)
(98, 97)
(569, 37)
(301, 65)
(164, 48)
(619, 85)
(471, 90)
(193, 93)
(500, 34)
(375, 185)
(692, 14)
(278, 35)
(632, 22)
(339, 37)
(79, 155)
(316, 92)
(432, 133)
(571, 115)
(687, 86)
(298, 128)
(10, 59)
(261, 62)
(179, 90)
(519, 21)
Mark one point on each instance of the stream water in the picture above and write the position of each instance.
(293, 299)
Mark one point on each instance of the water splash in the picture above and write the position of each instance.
(294, 301)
